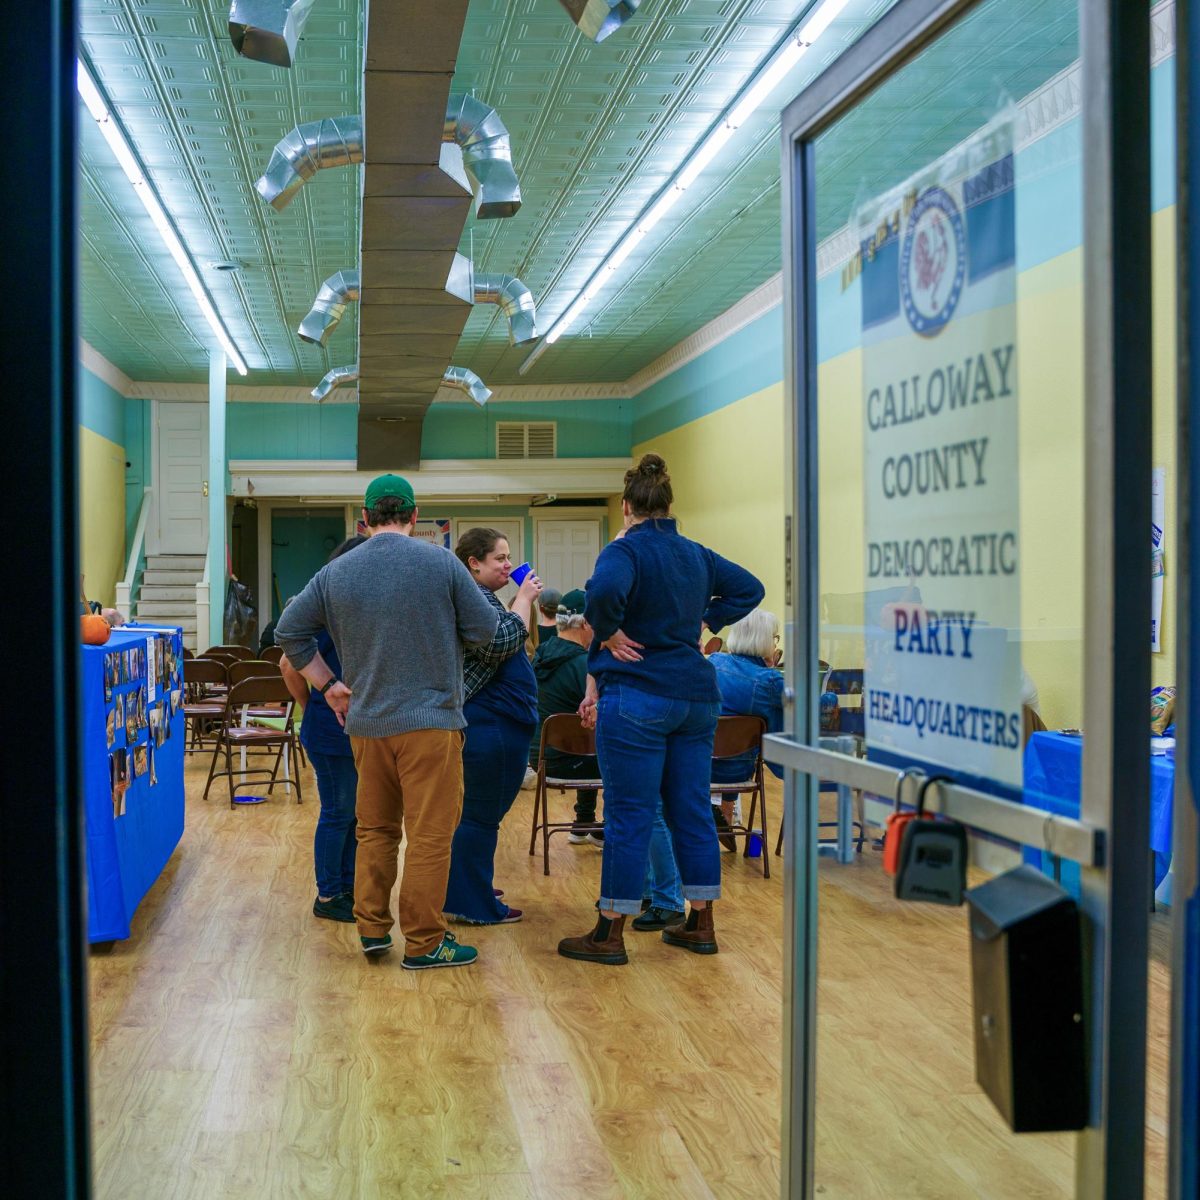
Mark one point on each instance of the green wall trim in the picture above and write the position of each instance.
(586, 429)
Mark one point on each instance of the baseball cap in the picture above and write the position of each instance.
(549, 600)
(389, 485)
(572, 604)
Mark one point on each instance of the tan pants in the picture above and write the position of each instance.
(411, 784)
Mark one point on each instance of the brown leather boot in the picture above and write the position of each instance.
(605, 944)
(695, 934)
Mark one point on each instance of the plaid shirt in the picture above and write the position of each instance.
(480, 663)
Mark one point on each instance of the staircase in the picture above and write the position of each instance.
(168, 593)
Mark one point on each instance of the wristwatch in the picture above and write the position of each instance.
(328, 684)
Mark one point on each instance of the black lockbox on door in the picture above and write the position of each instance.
(1027, 985)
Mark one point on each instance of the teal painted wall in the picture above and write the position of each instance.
(101, 407)
(586, 429)
(300, 546)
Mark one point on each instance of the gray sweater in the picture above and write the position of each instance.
(398, 611)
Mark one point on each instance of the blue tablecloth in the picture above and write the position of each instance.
(132, 830)
(1053, 771)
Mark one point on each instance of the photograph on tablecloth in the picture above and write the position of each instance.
(118, 774)
(150, 758)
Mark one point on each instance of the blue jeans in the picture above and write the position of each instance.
(653, 747)
(334, 843)
(494, 760)
(663, 887)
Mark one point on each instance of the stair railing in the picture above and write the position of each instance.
(127, 588)
(203, 593)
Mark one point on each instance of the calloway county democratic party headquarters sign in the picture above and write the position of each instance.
(943, 666)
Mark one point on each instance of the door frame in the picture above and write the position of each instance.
(1114, 39)
(1184, 1116)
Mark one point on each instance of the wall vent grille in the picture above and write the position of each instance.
(526, 439)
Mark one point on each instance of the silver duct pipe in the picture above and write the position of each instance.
(598, 18)
(333, 142)
(467, 382)
(515, 301)
(336, 292)
(334, 379)
(487, 155)
(268, 30)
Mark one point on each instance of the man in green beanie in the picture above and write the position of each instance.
(399, 611)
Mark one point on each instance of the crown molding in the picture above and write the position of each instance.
(749, 308)
(99, 366)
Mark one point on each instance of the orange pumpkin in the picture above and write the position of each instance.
(94, 629)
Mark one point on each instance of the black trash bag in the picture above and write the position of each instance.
(240, 612)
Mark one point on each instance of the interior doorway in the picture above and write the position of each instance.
(180, 478)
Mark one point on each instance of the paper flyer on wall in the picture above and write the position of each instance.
(943, 668)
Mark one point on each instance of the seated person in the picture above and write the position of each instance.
(114, 618)
(560, 666)
(750, 686)
(547, 613)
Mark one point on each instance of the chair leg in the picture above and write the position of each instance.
(765, 856)
(297, 751)
(545, 829)
(537, 803)
(212, 766)
(779, 840)
(229, 771)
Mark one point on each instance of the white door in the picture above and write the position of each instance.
(181, 471)
(567, 552)
(513, 529)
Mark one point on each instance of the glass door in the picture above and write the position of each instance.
(969, 498)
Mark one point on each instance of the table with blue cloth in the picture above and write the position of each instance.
(1053, 774)
(132, 749)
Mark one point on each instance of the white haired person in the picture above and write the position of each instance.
(751, 685)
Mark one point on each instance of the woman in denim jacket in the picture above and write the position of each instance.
(751, 686)
(654, 702)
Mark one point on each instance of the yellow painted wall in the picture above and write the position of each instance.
(728, 472)
(101, 515)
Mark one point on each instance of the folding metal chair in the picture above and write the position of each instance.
(256, 693)
(205, 683)
(736, 737)
(565, 733)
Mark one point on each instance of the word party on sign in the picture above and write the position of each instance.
(923, 631)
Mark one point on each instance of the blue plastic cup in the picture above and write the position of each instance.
(519, 573)
(754, 844)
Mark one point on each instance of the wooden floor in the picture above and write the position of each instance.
(242, 1048)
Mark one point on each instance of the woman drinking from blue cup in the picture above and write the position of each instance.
(501, 713)
(654, 701)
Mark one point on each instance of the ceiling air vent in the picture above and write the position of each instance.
(526, 439)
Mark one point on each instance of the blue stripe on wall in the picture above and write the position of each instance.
(101, 408)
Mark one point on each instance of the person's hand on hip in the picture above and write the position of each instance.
(623, 648)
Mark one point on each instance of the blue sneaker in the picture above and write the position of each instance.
(372, 945)
(448, 954)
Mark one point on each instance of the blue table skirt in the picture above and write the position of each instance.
(129, 838)
(1053, 773)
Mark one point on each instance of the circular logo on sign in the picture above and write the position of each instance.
(933, 262)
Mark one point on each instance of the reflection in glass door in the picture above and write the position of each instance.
(954, 510)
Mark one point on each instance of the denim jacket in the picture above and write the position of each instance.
(748, 688)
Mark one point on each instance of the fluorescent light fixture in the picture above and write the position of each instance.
(114, 135)
(749, 100)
